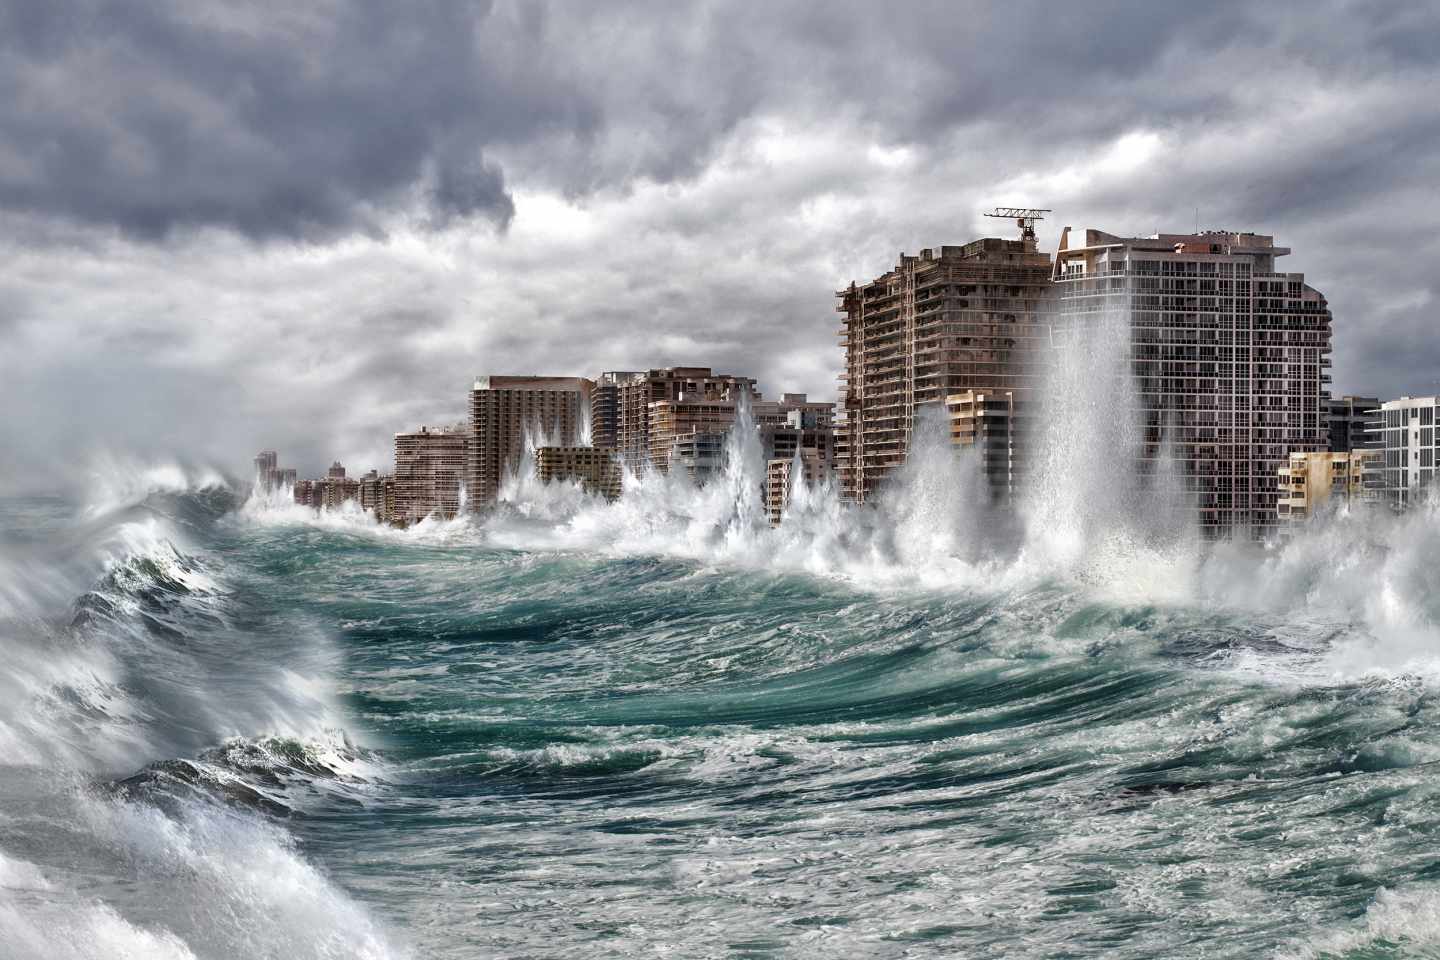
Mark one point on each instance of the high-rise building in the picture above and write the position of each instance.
(430, 468)
(997, 426)
(1351, 419)
(639, 393)
(377, 495)
(1312, 479)
(958, 318)
(605, 415)
(594, 468)
(336, 471)
(504, 410)
(269, 475)
(1404, 435)
(1230, 357)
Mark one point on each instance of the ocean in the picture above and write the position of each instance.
(230, 728)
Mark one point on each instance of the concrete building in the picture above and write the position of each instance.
(1404, 435)
(594, 468)
(780, 479)
(998, 426)
(946, 321)
(605, 412)
(1230, 357)
(430, 466)
(503, 410)
(701, 455)
(269, 475)
(1312, 479)
(636, 411)
(329, 493)
(377, 495)
(1351, 420)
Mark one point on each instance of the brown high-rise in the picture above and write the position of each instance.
(948, 321)
(503, 410)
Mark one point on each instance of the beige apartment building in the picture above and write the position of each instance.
(503, 410)
(1311, 479)
(1230, 357)
(636, 395)
(780, 479)
(998, 426)
(595, 469)
(950, 320)
(430, 466)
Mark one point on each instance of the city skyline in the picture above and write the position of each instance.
(219, 274)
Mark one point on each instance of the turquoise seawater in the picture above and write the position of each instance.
(234, 730)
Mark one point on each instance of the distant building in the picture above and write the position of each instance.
(595, 469)
(997, 426)
(1312, 479)
(643, 427)
(327, 494)
(430, 468)
(1231, 358)
(1350, 421)
(377, 495)
(700, 455)
(503, 410)
(269, 475)
(605, 408)
(952, 319)
(1404, 434)
(780, 479)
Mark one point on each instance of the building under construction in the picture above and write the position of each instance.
(947, 321)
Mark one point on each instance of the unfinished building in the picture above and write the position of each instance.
(950, 320)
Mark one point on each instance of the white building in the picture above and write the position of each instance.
(1406, 435)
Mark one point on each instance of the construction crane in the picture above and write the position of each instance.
(1024, 218)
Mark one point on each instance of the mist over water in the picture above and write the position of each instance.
(231, 727)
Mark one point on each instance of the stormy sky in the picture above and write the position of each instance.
(306, 226)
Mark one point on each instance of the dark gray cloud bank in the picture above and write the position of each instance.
(231, 225)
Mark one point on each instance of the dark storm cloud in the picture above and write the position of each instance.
(278, 199)
(265, 119)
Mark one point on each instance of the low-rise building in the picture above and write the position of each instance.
(595, 469)
(781, 477)
(995, 424)
(1311, 480)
